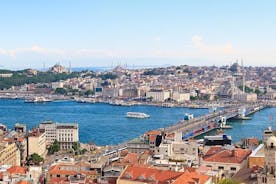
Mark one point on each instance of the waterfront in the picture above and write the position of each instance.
(107, 124)
(102, 123)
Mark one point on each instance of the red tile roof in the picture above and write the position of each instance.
(191, 177)
(23, 182)
(153, 132)
(70, 170)
(131, 158)
(16, 170)
(143, 174)
(217, 154)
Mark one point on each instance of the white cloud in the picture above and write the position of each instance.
(224, 49)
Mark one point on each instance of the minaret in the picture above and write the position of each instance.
(70, 67)
(243, 77)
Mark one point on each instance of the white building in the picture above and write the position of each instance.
(65, 133)
(178, 150)
(56, 85)
(181, 97)
(50, 130)
(158, 95)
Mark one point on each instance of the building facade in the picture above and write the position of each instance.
(67, 134)
(9, 154)
(36, 142)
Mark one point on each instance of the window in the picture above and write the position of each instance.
(220, 167)
(233, 168)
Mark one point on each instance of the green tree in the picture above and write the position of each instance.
(193, 98)
(35, 159)
(55, 147)
(89, 92)
(76, 146)
(61, 91)
(228, 181)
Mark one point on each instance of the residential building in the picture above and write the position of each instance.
(139, 174)
(49, 127)
(227, 159)
(257, 157)
(9, 154)
(21, 128)
(146, 175)
(36, 142)
(71, 173)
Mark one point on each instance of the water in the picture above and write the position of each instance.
(101, 123)
(106, 124)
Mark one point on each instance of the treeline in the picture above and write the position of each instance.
(22, 77)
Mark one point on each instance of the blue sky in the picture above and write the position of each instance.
(142, 32)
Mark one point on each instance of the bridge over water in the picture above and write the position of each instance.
(199, 125)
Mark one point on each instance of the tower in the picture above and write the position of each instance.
(243, 77)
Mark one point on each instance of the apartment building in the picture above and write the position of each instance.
(9, 154)
(49, 127)
(230, 161)
(36, 142)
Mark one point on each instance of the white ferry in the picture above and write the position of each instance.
(40, 99)
(137, 115)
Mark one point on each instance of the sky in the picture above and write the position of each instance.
(34, 34)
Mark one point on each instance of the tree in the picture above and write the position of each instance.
(76, 146)
(89, 92)
(35, 159)
(61, 91)
(228, 181)
(193, 98)
(55, 147)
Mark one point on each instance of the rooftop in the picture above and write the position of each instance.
(219, 154)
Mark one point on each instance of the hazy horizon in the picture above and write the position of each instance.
(107, 33)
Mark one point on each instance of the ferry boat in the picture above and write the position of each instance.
(188, 116)
(217, 140)
(38, 99)
(137, 115)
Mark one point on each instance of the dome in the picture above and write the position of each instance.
(271, 141)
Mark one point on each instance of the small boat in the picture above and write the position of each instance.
(188, 116)
(137, 115)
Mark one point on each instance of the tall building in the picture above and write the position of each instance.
(36, 142)
(268, 175)
(49, 127)
(65, 133)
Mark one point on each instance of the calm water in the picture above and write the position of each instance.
(106, 124)
(100, 123)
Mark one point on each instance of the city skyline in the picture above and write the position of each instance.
(106, 33)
